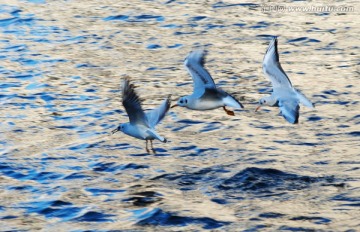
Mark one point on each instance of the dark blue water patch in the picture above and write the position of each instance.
(16, 21)
(211, 127)
(325, 134)
(117, 17)
(266, 36)
(316, 29)
(183, 33)
(239, 24)
(264, 127)
(347, 200)
(197, 18)
(22, 173)
(191, 179)
(22, 76)
(158, 217)
(107, 192)
(4, 86)
(26, 188)
(316, 220)
(297, 40)
(314, 118)
(270, 182)
(112, 167)
(143, 199)
(153, 46)
(271, 215)
(135, 19)
(16, 48)
(261, 24)
(172, 26)
(53, 209)
(282, 141)
(86, 65)
(8, 217)
(187, 121)
(222, 4)
(175, 46)
(199, 152)
(354, 133)
(219, 201)
(145, 17)
(77, 147)
(73, 176)
(191, 147)
(292, 228)
(93, 216)
(305, 144)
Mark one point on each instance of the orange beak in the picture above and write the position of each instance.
(174, 106)
(257, 108)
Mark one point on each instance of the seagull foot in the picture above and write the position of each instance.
(229, 112)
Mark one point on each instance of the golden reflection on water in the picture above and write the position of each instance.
(99, 52)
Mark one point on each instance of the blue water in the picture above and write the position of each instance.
(60, 98)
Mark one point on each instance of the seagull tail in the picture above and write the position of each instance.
(232, 102)
(157, 136)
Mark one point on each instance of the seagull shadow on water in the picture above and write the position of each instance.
(141, 125)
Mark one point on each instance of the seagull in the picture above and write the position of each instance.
(205, 95)
(284, 95)
(141, 125)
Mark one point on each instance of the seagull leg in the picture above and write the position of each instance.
(152, 148)
(147, 148)
(229, 112)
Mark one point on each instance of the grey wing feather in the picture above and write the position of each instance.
(194, 63)
(132, 104)
(290, 110)
(272, 67)
(156, 115)
(306, 102)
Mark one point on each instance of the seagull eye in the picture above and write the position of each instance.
(181, 101)
(185, 101)
(264, 101)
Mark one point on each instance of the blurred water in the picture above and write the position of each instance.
(60, 76)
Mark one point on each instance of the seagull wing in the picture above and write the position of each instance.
(156, 115)
(132, 104)
(290, 110)
(194, 63)
(272, 67)
(306, 102)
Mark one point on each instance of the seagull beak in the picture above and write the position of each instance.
(257, 108)
(174, 106)
(114, 131)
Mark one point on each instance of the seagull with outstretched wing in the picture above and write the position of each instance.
(284, 94)
(141, 125)
(205, 96)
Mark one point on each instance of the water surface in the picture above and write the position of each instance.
(61, 72)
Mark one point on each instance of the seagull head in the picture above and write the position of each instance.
(270, 101)
(183, 101)
(119, 128)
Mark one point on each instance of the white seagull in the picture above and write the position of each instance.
(284, 94)
(205, 95)
(141, 125)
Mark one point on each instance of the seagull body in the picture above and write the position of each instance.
(141, 125)
(284, 95)
(205, 96)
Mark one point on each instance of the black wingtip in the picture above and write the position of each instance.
(198, 55)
